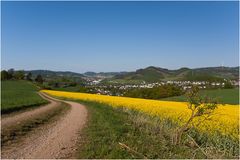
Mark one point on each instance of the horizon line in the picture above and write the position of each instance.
(118, 71)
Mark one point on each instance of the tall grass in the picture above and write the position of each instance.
(125, 133)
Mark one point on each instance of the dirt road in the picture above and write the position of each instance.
(54, 140)
(14, 118)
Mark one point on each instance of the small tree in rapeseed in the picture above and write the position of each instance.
(201, 108)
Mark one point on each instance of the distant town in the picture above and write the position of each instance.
(123, 83)
(106, 89)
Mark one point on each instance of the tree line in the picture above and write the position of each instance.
(11, 74)
(155, 92)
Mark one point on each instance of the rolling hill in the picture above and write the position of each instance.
(153, 74)
(48, 73)
(103, 74)
(54, 75)
(150, 74)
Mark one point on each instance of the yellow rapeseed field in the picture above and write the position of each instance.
(225, 119)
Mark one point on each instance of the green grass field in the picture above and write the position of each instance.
(125, 134)
(16, 95)
(226, 96)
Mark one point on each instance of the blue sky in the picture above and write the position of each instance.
(118, 36)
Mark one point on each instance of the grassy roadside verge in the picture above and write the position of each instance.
(124, 133)
(114, 133)
(121, 133)
(14, 133)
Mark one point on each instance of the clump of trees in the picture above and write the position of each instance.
(39, 79)
(228, 85)
(19, 75)
(155, 92)
(11, 74)
(63, 82)
(29, 76)
(4, 75)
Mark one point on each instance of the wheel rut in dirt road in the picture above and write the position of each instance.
(56, 140)
(14, 118)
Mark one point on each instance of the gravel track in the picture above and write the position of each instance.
(51, 141)
(14, 118)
